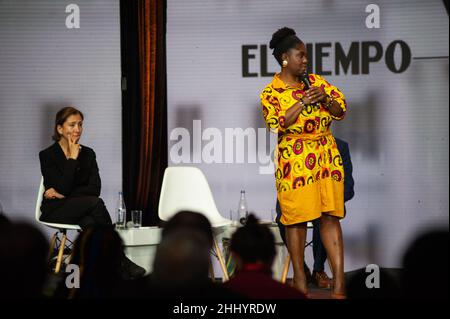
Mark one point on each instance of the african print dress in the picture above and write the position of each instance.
(309, 174)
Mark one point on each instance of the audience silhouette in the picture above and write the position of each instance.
(254, 248)
(23, 260)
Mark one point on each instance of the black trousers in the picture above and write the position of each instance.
(84, 211)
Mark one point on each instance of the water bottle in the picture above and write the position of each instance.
(242, 209)
(121, 212)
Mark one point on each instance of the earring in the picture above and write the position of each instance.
(285, 63)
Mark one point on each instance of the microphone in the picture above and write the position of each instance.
(305, 79)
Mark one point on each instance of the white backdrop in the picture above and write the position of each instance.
(45, 66)
(396, 126)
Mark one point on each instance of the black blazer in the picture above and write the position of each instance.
(68, 177)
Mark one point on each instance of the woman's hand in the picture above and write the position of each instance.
(74, 147)
(315, 94)
(51, 193)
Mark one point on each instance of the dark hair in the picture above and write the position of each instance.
(23, 261)
(254, 242)
(5, 223)
(182, 259)
(98, 251)
(189, 220)
(430, 245)
(61, 117)
(283, 40)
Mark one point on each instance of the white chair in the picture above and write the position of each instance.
(61, 229)
(186, 188)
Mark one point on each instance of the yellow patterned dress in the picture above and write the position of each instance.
(308, 167)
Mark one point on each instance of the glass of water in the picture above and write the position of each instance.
(136, 218)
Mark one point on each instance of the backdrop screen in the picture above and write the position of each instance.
(393, 72)
(53, 55)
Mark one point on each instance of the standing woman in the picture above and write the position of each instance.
(308, 167)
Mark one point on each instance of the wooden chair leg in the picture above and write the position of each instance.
(60, 253)
(221, 261)
(287, 261)
(52, 246)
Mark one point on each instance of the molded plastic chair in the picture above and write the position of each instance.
(186, 188)
(61, 229)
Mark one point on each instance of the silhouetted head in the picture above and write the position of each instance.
(189, 220)
(98, 251)
(425, 266)
(182, 259)
(5, 223)
(23, 261)
(253, 242)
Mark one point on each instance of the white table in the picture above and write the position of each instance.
(141, 243)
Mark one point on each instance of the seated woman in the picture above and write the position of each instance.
(71, 179)
(253, 245)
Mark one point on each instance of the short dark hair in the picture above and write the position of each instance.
(189, 220)
(61, 117)
(283, 40)
(253, 242)
(182, 259)
(22, 245)
(429, 245)
(98, 252)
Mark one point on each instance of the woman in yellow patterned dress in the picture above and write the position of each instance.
(308, 167)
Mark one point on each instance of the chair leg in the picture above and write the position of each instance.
(221, 261)
(287, 261)
(52, 246)
(60, 253)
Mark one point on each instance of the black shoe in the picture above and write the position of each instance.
(130, 270)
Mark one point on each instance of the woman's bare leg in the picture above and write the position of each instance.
(331, 234)
(296, 238)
